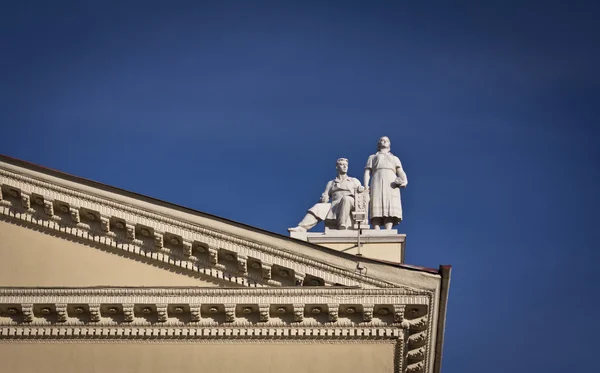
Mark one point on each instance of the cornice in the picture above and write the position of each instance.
(216, 315)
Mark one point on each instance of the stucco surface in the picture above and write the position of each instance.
(32, 258)
(391, 252)
(214, 358)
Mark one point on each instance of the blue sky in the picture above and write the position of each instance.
(241, 110)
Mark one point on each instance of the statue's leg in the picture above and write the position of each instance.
(377, 223)
(389, 223)
(344, 218)
(308, 222)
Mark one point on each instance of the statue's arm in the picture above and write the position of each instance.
(327, 193)
(367, 177)
(357, 185)
(401, 179)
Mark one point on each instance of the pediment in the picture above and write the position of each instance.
(177, 239)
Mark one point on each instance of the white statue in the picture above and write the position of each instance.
(386, 176)
(338, 213)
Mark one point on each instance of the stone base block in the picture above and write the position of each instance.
(382, 244)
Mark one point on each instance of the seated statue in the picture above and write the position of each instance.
(338, 213)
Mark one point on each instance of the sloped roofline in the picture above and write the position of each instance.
(145, 198)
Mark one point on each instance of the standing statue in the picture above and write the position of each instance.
(338, 213)
(386, 175)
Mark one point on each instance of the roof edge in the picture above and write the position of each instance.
(144, 198)
(446, 272)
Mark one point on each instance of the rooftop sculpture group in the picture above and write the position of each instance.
(383, 179)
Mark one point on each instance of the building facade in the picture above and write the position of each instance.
(95, 279)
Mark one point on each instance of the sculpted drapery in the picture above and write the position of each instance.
(341, 191)
(384, 176)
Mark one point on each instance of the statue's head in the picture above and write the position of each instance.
(342, 165)
(384, 143)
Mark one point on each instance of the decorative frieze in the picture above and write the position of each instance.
(180, 318)
(258, 334)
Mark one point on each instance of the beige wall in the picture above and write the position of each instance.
(391, 252)
(32, 258)
(201, 357)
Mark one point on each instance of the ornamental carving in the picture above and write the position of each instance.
(263, 310)
(61, 312)
(368, 313)
(161, 311)
(128, 312)
(158, 240)
(94, 312)
(266, 271)
(230, 312)
(194, 312)
(298, 312)
(213, 256)
(242, 264)
(74, 212)
(104, 224)
(418, 323)
(415, 368)
(130, 231)
(187, 248)
(333, 312)
(27, 311)
(49, 208)
(417, 338)
(25, 201)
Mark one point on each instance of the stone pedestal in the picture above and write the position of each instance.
(385, 245)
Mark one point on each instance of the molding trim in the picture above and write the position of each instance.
(261, 315)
